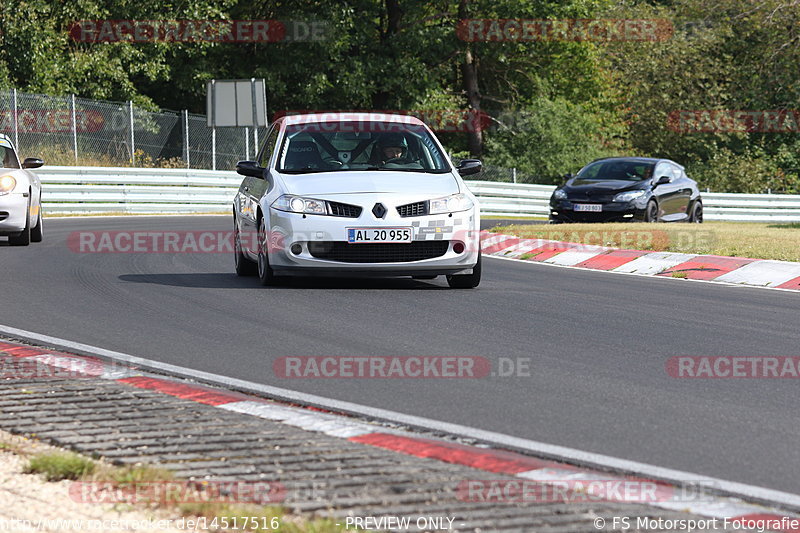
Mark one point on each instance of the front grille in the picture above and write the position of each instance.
(591, 197)
(378, 252)
(417, 209)
(344, 210)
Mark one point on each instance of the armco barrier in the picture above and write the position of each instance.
(150, 190)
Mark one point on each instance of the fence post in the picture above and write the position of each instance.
(247, 143)
(16, 121)
(514, 174)
(74, 128)
(186, 136)
(133, 138)
(213, 148)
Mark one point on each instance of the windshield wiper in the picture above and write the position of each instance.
(304, 170)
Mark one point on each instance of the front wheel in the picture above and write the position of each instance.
(37, 232)
(651, 212)
(24, 237)
(265, 273)
(697, 213)
(244, 267)
(466, 281)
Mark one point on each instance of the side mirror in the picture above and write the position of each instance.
(662, 180)
(568, 176)
(32, 162)
(469, 166)
(250, 168)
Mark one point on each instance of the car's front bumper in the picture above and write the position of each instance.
(13, 209)
(322, 244)
(564, 211)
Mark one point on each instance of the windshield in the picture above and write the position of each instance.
(617, 170)
(9, 157)
(357, 145)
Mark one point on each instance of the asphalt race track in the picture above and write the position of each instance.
(598, 343)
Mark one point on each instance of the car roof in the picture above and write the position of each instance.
(350, 116)
(640, 160)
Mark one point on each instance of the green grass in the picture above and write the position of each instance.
(680, 275)
(736, 239)
(520, 217)
(56, 466)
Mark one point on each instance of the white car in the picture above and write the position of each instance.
(360, 194)
(20, 197)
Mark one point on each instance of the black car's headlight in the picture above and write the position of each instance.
(298, 204)
(628, 196)
(559, 194)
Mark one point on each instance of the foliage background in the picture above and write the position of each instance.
(554, 105)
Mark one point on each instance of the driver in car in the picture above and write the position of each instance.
(390, 148)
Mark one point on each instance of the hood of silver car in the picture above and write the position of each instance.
(369, 181)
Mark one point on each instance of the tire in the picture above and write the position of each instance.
(37, 232)
(697, 213)
(24, 238)
(244, 266)
(466, 281)
(651, 212)
(265, 273)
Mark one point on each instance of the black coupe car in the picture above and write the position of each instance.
(619, 189)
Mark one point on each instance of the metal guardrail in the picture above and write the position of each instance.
(90, 190)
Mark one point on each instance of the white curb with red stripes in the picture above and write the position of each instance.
(732, 270)
(338, 425)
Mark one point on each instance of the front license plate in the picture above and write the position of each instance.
(589, 207)
(362, 235)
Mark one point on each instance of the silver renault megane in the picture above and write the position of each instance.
(360, 194)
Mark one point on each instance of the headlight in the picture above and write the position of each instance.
(7, 184)
(628, 196)
(559, 194)
(450, 204)
(296, 204)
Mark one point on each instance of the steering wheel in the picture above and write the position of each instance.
(330, 160)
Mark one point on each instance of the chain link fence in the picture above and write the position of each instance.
(66, 130)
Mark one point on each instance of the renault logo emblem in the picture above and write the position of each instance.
(379, 210)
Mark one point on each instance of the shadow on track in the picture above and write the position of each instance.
(231, 281)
